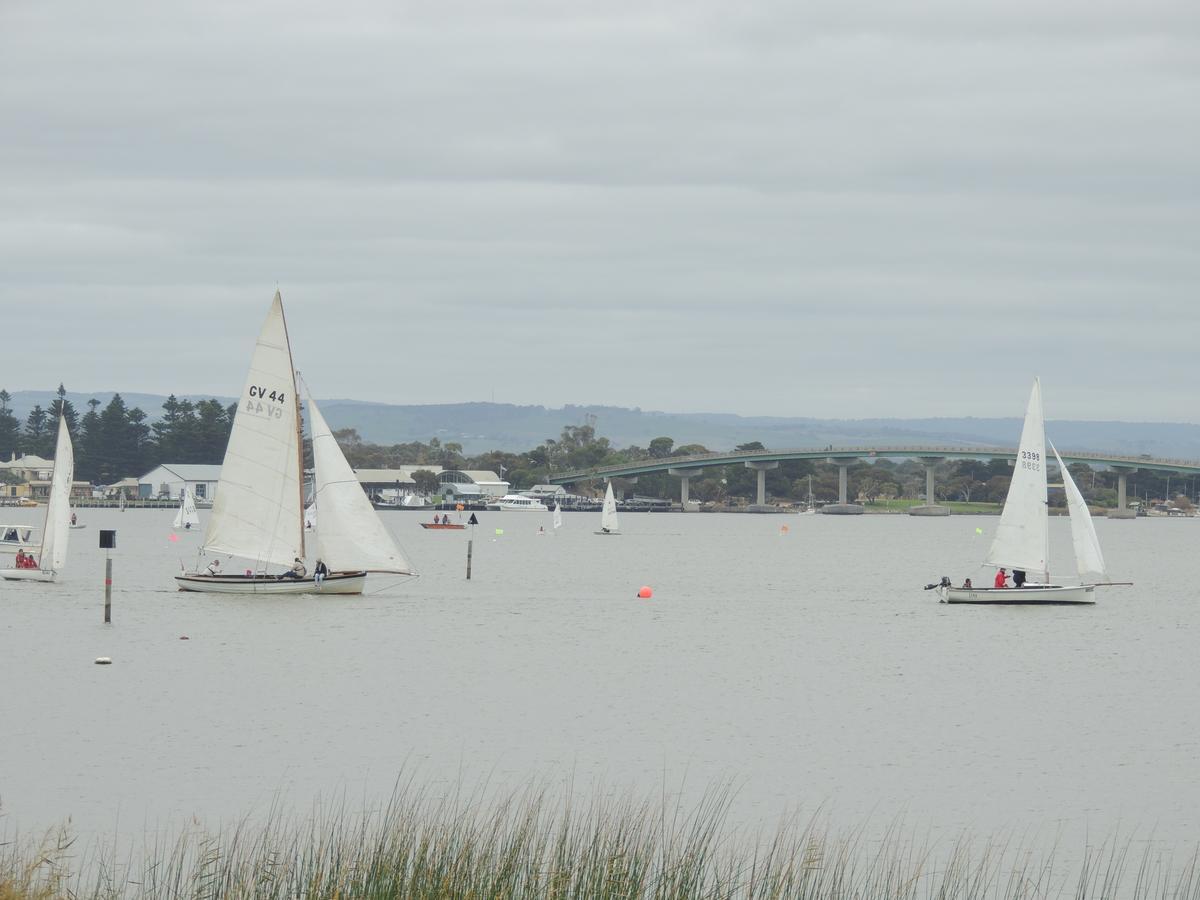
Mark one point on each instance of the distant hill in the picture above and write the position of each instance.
(500, 426)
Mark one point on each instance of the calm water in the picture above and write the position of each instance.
(808, 668)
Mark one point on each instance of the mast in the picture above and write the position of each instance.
(49, 499)
(299, 428)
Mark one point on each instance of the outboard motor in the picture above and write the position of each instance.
(945, 582)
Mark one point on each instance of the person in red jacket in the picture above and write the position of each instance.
(1001, 579)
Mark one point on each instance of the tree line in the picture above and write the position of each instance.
(115, 441)
(579, 448)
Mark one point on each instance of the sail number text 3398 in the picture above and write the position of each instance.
(1031, 460)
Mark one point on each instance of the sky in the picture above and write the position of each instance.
(766, 208)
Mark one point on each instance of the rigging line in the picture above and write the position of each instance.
(394, 583)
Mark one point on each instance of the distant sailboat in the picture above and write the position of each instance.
(51, 556)
(186, 517)
(1022, 541)
(608, 513)
(258, 512)
(557, 516)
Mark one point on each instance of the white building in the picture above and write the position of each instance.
(395, 484)
(546, 493)
(169, 480)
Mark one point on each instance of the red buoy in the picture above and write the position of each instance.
(645, 593)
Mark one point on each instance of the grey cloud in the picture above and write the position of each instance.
(821, 209)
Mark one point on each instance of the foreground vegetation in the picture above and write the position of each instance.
(532, 847)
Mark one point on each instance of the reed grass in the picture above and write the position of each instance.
(538, 844)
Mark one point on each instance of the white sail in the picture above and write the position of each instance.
(1022, 537)
(351, 536)
(53, 556)
(186, 515)
(608, 514)
(1088, 558)
(557, 516)
(257, 513)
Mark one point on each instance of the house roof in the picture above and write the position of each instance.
(189, 471)
(403, 474)
(28, 461)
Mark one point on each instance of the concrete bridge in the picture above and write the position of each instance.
(687, 467)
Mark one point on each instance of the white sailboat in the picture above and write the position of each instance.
(51, 556)
(187, 517)
(557, 516)
(258, 512)
(608, 513)
(1022, 541)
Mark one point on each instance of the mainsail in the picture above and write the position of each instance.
(1088, 558)
(608, 514)
(351, 536)
(53, 555)
(257, 512)
(1023, 537)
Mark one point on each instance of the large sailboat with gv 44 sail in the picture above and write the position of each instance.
(1022, 542)
(258, 513)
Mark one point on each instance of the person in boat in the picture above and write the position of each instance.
(297, 571)
(1018, 578)
(320, 570)
(72, 518)
(214, 568)
(1001, 579)
(20, 560)
(30, 562)
(967, 584)
(187, 526)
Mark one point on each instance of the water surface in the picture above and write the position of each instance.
(807, 668)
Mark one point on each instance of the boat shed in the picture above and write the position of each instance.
(489, 483)
(169, 480)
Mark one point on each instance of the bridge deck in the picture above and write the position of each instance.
(703, 461)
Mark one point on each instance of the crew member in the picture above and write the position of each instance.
(1001, 579)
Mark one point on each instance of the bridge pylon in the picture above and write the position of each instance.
(930, 507)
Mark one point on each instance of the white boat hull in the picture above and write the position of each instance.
(26, 575)
(1037, 595)
(341, 583)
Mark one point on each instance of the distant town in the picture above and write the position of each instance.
(125, 455)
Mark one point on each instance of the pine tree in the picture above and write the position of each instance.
(88, 447)
(65, 408)
(10, 427)
(37, 438)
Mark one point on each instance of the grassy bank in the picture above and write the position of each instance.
(534, 847)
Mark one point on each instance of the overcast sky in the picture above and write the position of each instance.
(822, 208)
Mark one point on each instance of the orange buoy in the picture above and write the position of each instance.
(645, 593)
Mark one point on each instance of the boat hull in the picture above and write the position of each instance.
(26, 575)
(439, 527)
(1041, 595)
(340, 583)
